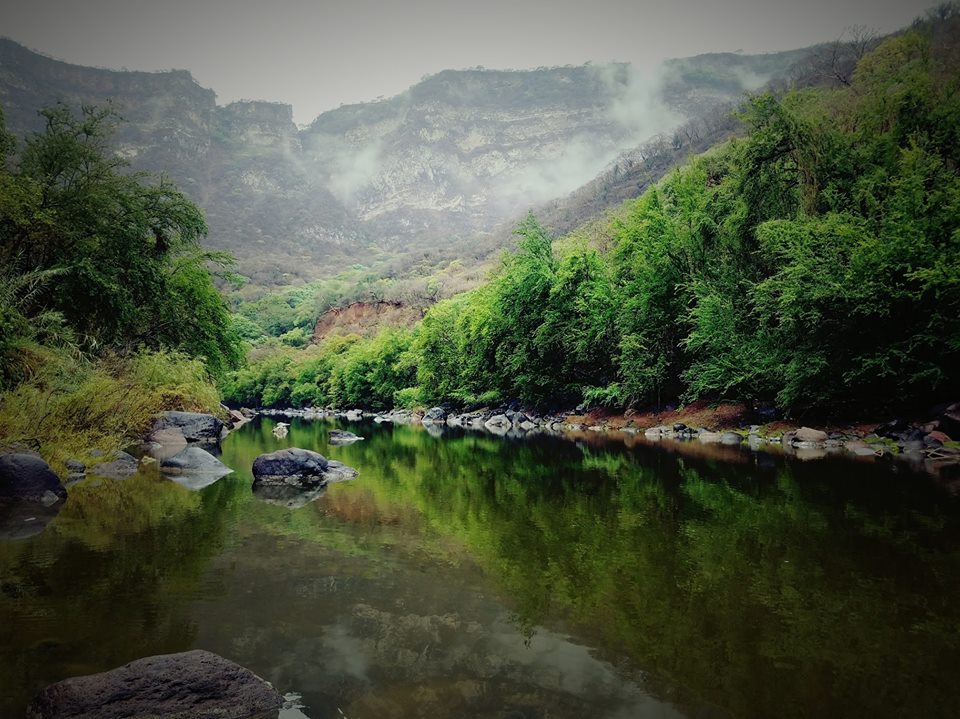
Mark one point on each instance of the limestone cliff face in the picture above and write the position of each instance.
(428, 170)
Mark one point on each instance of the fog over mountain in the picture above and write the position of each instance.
(317, 54)
(434, 168)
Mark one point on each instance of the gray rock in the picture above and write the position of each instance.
(30, 495)
(299, 468)
(338, 472)
(190, 685)
(196, 427)
(730, 438)
(75, 466)
(434, 414)
(499, 421)
(194, 467)
(342, 436)
(121, 467)
(26, 477)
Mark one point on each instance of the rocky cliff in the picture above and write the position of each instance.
(425, 173)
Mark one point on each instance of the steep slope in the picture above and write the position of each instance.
(426, 173)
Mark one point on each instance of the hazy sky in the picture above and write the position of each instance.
(316, 55)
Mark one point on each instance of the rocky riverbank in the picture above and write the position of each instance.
(926, 443)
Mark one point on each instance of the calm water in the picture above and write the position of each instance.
(471, 576)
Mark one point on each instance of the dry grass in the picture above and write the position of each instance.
(71, 407)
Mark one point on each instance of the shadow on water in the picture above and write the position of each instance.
(476, 576)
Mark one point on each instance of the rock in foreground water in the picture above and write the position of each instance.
(30, 495)
(189, 685)
(298, 467)
(26, 477)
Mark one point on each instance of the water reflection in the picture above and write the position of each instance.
(491, 577)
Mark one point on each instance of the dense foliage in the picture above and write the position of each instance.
(122, 251)
(815, 262)
(108, 311)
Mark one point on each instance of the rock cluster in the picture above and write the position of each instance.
(922, 443)
(185, 445)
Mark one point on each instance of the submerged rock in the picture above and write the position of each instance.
(189, 685)
(342, 436)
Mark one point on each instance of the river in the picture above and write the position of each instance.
(476, 576)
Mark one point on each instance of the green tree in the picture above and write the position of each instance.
(131, 272)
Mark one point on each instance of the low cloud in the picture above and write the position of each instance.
(353, 169)
(637, 105)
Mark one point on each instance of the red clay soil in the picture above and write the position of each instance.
(725, 415)
(365, 319)
(698, 414)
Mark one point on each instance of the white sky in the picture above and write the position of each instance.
(317, 55)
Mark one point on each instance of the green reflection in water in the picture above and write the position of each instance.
(475, 576)
(826, 588)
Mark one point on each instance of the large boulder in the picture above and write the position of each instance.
(196, 427)
(26, 477)
(189, 685)
(30, 495)
(298, 467)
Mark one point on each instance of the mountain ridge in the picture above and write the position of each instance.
(428, 172)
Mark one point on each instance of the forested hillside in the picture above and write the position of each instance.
(814, 263)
